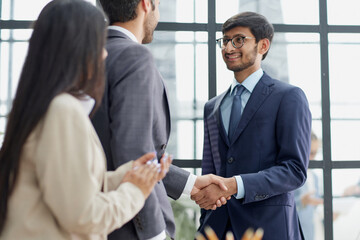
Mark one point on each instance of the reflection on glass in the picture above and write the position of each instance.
(346, 203)
(187, 11)
(345, 12)
(345, 138)
(344, 90)
(276, 11)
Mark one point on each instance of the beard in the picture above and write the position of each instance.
(149, 28)
(241, 67)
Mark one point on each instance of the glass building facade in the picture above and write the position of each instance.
(315, 47)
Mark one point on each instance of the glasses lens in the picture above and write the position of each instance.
(238, 41)
(220, 42)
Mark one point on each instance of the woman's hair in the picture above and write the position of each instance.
(65, 55)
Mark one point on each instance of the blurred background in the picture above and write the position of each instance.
(316, 47)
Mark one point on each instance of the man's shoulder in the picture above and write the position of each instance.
(210, 104)
(126, 50)
(118, 44)
(277, 84)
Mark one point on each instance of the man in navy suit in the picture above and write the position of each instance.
(262, 156)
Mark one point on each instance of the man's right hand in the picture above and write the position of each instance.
(211, 191)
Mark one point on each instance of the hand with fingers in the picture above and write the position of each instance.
(216, 193)
(146, 173)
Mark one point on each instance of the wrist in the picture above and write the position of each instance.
(231, 185)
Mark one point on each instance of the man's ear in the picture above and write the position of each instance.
(146, 5)
(264, 45)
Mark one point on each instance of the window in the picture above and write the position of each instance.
(315, 47)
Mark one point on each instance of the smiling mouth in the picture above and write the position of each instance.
(232, 57)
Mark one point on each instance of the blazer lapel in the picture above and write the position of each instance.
(168, 119)
(217, 114)
(216, 128)
(261, 91)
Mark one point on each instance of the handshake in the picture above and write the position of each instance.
(211, 191)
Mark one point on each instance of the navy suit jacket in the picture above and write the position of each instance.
(270, 152)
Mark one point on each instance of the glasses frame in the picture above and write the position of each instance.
(223, 46)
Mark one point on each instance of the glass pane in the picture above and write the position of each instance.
(345, 138)
(199, 139)
(182, 60)
(184, 139)
(16, 34)
(345, 12)
(4, 71)
(19, 52)
(188, 11)
(344, 83)
(19, 9)
(309, 205)
(346, 203)
(276, 11)
(316, 152)
(285, 61)
(2, 129)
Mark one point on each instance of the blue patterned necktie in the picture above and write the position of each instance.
(235, 111)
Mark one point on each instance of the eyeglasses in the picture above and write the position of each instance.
(237, 41)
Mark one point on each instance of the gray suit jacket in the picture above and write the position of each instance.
(133, 119)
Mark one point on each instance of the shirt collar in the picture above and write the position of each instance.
(125, 31)
(250, 82)
(87, 103)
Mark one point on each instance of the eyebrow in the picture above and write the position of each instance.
(236, 35)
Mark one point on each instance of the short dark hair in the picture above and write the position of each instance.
(65, 54)
(257, 23)
(121, 10)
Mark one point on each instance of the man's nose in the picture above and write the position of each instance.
(229, 47)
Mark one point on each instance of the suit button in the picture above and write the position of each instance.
(230, 160)
(163, 147)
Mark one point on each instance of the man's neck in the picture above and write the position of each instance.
(242, 75)
(134, 27)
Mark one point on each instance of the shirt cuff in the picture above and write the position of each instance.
(240, 188)
(189, 184)
(160, 236)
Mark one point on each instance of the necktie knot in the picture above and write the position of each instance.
(239, 89)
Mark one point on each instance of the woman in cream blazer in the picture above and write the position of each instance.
(53, 179)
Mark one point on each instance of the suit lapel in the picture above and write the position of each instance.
(168, 119)
(216, 128)
(217, 114)
(261, 91)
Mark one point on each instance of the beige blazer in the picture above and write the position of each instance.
(63, 190)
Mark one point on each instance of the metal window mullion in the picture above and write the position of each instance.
(10, 78)
(326, 119)
(211, 25)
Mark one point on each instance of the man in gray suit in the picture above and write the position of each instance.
(134, 116)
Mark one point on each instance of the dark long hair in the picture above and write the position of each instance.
(65, 55)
